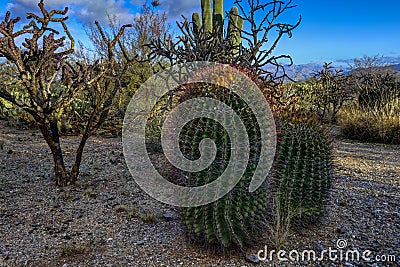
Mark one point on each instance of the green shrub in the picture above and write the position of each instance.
(322, 95)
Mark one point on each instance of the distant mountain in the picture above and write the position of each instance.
(392, 68)
(301, 72)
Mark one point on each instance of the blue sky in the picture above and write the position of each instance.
(330, 30)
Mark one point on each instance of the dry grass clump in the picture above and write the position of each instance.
(375, 124)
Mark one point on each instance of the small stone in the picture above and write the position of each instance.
(320, 248)
(65, 236)
(140, 242)
(168, 216)
(252, 258)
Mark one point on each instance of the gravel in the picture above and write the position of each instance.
(104, 219)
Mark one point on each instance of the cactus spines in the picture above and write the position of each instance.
(218, 17)
(206, 15)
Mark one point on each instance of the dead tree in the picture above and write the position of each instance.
(52, 79)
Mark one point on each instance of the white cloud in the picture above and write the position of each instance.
(91, 10)
(175, 9)
(86, 11)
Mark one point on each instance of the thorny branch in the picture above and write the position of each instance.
(261, 34)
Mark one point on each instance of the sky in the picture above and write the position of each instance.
(335, 31)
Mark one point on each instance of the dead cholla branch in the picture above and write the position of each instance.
(51, 79)
(260, 35)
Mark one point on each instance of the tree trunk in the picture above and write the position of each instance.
(53, 141)
(75, 169)
(61, 175)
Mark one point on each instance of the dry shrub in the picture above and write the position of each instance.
(375, 124)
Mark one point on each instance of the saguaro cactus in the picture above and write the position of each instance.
(206, 15)
(235, 27)
(214, 21)
(218, 17)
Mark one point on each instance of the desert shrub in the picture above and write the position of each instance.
(292, 105)
(373, 82)
(321, 96)
(380, 123)
(9, 111)
(374, 116)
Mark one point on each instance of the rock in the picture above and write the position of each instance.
(140, 242)
(252, 258)
(320, 248)
(65, 236)
(168, 216)
(68, 221)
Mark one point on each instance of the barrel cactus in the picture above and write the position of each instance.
(303, 170)
(236, 218)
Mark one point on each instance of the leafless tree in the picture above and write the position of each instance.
(150, 23)
(51, 79)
